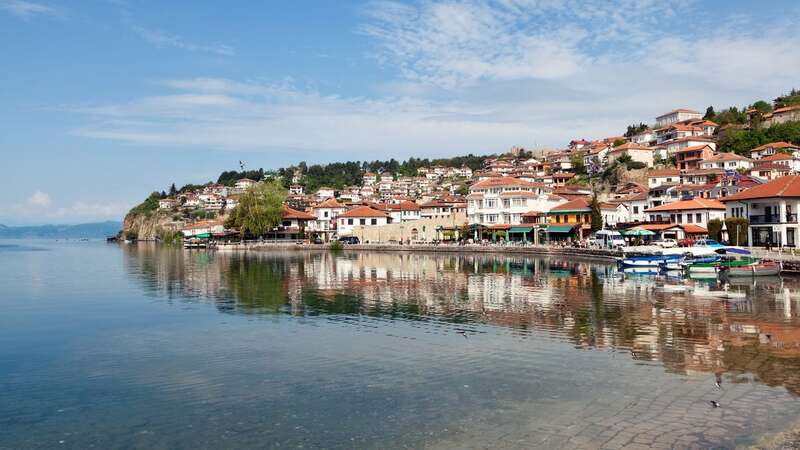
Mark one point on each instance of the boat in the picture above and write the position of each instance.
(648, 260)
(756, 269)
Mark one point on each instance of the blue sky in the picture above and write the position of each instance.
(104, 101)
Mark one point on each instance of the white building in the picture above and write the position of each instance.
(697, 211)
(772, 148)
(167, 203)
(370, 178)
(360, 215)
(326, 213)
(677, 115)
(657, 177)
(244, 184)
(504, 200)
(325, 192)
(637, 152)
(771, 209)
(727, 161)
(403, 211)
(613, 213)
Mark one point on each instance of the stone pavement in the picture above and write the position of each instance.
(674, 417)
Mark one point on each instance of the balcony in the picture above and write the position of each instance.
(772, 218)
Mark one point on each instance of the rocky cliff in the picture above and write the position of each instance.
(147, 226)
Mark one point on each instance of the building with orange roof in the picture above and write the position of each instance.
(727, 161)
(570, 220)
(657, 177)
(360, 215)
(771, 209)
(772, 148)
(637, 152)
(689, 157)
(504, 200)
(696, 211)
(781, 115)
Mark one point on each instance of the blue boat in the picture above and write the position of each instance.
(649, 260)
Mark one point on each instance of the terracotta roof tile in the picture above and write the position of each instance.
(696, 203)
(363, 211)
(788, 186)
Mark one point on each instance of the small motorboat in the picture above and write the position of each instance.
(755, 269)
(649, 260)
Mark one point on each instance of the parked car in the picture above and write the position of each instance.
(666, 243)
(707, 243)
(318, 240)
(349, 240)
(686, 242)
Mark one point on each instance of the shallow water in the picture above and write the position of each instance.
(110, 346)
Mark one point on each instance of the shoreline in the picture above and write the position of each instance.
(593, 254)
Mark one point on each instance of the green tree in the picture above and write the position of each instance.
(173, 191)
(761, 106)
(577, 165)
(710, 113)
(619, 142)
(714, 229)
(597, 215)
(259, 210)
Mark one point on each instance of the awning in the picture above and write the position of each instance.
(560, 228)
(520, 229)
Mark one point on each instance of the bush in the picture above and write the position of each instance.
(635, 165)
(336, 246)
(169, 237)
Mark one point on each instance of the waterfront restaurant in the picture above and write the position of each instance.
(771, 209)
(570, 220)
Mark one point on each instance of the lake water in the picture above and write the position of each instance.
(106, 346)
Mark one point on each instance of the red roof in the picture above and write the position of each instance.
(404, 205)
(693, 148)
(630, 146)
(574, 205)
(329, 203)
(777, 157)
(726, 156)
(364, 211)
(788, 186)
(289, 213)
(696, 203)
(779, 144)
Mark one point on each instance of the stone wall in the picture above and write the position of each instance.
(423, 230)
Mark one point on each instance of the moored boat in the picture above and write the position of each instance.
(755, 269)
(649, 260)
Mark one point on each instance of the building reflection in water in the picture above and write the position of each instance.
(683, 325)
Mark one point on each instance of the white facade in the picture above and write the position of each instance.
(677, 115)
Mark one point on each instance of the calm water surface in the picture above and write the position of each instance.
(103, 346)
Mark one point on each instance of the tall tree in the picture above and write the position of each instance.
(173, 191)
(710, 113)
(597, 215)
(259, 209)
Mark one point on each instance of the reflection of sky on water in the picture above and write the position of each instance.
(126, 346)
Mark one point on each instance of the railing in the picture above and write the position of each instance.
(773, 218)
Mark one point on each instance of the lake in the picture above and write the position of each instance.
(107, 346)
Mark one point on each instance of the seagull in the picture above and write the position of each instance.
(715, 404)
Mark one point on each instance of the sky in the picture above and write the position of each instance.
(103, 102)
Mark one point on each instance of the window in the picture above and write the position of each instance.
(363, 221)
(349, 221)
(698, 218)
(586, 218)
(490, 203)
(325, 214)
(680, 217)
(374, 221)
(558, 219)
(636, 210)
(688, 218)
(506, 203)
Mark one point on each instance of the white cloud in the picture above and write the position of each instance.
(162, 39)
(39, 199)
(24, 9)
(478, 76)
(39, 207)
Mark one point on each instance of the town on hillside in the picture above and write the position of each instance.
(684, 177)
